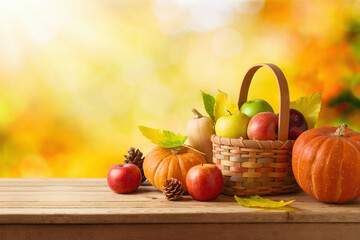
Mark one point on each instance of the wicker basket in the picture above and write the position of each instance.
(252, 167)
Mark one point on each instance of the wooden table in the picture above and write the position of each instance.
(87, 209)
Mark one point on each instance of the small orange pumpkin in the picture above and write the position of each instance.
(326, 163)
(165, 163)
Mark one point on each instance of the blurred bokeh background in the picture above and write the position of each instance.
(78, 76)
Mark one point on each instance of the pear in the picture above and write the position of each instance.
(232, 125)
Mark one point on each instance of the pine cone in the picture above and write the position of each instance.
(173, 189)
(136, 157)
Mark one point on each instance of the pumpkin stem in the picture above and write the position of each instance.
(188, 146)
(196, 113)
(175, 150)
(340, 131)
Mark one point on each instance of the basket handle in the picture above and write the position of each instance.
(284, 113)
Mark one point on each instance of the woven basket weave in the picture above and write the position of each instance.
(252, 167)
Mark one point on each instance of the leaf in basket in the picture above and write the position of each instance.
(163, 138)
(209, 102)
(223, 105)
(310, 107)
(257, 201)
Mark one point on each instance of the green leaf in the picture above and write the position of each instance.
(163, 138)
(343, 97)
(310, 107)
(209, 102)
(223, 105)
(257, 201)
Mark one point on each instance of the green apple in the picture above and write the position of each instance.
(253, 107)
(232, 126)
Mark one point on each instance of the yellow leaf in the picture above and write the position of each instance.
(223, 105)
(310, 107)
(257, 201)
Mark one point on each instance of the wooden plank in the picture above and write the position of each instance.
(62, 201)
(181, 231)
(130, 215)
(153, 203)
(148, 196)
(166, 215)
(161, 202)
(142, 194)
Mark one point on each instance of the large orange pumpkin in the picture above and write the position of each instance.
(326, 163)
(165, 163)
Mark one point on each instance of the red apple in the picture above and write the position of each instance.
(124, 178)
(204, 182)
(297, 124)
(263, 126)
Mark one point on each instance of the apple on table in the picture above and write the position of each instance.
(124, 178)
(204, 182)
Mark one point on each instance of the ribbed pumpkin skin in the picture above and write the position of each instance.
(162, 163)
(326, 166)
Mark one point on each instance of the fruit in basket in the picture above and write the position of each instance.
(199, 130)
(297, 124)
(253, 107)
(124, 178)
(263, 126)
(223, 105)
(162, 163)
(204, 182)
(326, 163)
(232, 125)
(310, 107)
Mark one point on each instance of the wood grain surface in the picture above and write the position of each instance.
(60, 204)
(246, 231)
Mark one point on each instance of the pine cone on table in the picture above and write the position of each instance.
(173, 189)
(136, 157)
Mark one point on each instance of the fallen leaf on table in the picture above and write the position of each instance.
(257, 201)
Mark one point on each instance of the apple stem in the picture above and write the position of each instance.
(197, 114)
(340, 131)
(188, 146)
(228, 111)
